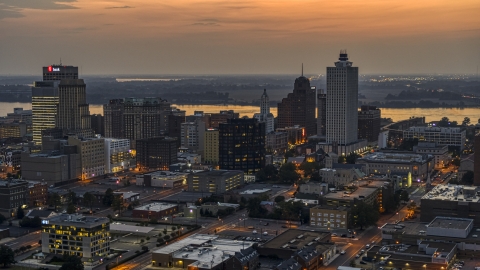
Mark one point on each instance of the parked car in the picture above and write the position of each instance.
(343, 252)
(367, 246)
(362, 262)
(254, 232)
(334, 234)
(357, 256)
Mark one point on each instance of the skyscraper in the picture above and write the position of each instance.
(242, 146)
(265, 116)
(321, 113)
(298, 108)
(369, 123)
(45, 98)
(342, 102)
(73, 115)
(145, 118)
(113, 119)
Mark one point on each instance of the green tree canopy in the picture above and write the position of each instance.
(71, 208)
(88, 200)
(279, 199)
(20, 212)
(363, 215)
(352, 158)
(269, 173)
(108, 198)
(7, 256)
(309, 168)
(467, 178)
(54, 200)
(72, 263)
(288, 173)
(117, 203)
(2, 218)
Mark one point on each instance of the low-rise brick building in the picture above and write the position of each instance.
(155, 210)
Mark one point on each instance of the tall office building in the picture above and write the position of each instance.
(156, 153)
(211, 146)
(369, 123)
(145, 118)
(265, 116)
(342, 102)
(97, 123)
(298, 108)
(73, 115)
(45, 98)
(113, 119)
(242, 146)
(192, 135)
(321, 113)
(476, 161)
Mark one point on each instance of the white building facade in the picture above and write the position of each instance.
(265, 116)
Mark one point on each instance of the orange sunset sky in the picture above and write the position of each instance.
(239, 37)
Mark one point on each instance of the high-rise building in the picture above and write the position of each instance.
(476, 161)
(211, 146)
(113, 118)
(221, 117)
(156, 153)
(321, 113)
(242, 146)
(92, 153)
(97, 124)
(59, 72)
(369, 123)
(175, 126)
(145, 118)
(45, 98)
(118, 156)
(13, 194)
(265, 116)
(298, 108)
(192, 135)
(73, 115)
(342, 102)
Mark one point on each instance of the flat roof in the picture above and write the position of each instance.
(359, 192)
(77, 220)
(296, 239)
(392, 157)
(130, 229)
(255, 191)
(207, 251)
(127, 194)
(453, 193)
(155, 207)
(450, 223)
(218, 173)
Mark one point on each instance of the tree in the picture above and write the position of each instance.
(108, 198)
(166, 237)
(88, 200)
(71, 208)
(466, 121)
(71, 197)
(456, 162)
(352, 158)
(269, 173)
(117, 203)
(362, 215)
(279, 199)
(352, 263)
(289, 153)
(467, 178)
(309, 168)
(288, 173)
(7, 256)
(2, 218)
(444, 122)
(54, 200)
(404, 196)
(342, 159)
(315, 177)
(20, 213)
(71, 263)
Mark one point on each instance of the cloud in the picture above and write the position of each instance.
(13, 8)
(207, 22)
(119, 7)
(38, 4)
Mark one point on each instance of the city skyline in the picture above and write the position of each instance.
(239, 37)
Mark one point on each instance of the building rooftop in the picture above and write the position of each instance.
(127, 195)
(207, 251)
(359, 193)
(77, 220)
(130, 229)
(255, 191)
(453, 193)
(12, 182)
(450, 223)
(290, 264)
(218, 173)
(296, 239)
(166, 174)
(394, 158)
(332, 207)
(155, 207)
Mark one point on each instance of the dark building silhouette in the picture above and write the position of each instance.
(97, 124)
(476, 161)
(175, 127)
(221, 117)
(73, 115)
(321, 113)
(156, 153)
(242, 145)
(113, 119)
(369, 123)
(298, 108)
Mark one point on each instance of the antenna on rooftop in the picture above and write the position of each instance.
(302, 70)
(60, 61)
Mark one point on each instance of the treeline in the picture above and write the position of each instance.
(419, 104)
(419, 94)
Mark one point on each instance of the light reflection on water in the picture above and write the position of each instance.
(454, 114)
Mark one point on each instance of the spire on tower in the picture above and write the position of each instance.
(302, 69)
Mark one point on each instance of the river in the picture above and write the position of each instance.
(454, 114)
